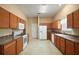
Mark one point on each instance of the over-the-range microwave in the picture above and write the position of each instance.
(21, 26)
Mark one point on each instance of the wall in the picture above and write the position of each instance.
(13, 9)
(31, 20)
(64, 12)
(45, 20)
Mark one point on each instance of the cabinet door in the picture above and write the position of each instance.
(62, 41)
(49, 35)
(58, 42)
(13, 21)
(55, 40)
(10, 48)
(76, 19)
(70, 21)
(19, 45)
(4, 18)
(69, 48)
(77, 48)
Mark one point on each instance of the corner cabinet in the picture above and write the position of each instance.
(13, 21)
(4, 18)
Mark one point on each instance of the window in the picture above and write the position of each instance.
(64, 24)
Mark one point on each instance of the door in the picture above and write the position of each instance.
(34, 28)
(42, 32)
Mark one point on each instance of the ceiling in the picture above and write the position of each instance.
(32, 10)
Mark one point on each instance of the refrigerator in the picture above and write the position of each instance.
(42, 32)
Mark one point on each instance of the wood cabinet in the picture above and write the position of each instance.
(70, 21)
(58, 42)
(13, 21)
(19, 45)
(62, 45)
(76, 19)
(56, 25)
(4, 18)
(10, 48)
(70, 48)
(76, 48)
(73, 20)
(55, 40)
(49, 35)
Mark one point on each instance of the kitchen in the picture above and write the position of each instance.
(59, 27)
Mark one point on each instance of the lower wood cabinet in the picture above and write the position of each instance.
(70, 49)
(49, 35)
(76, 48)
(67, 47)
(62, 45)
(10, 49)
(19, 45)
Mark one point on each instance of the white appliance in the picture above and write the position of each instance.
(52, 37)
(21, 26)
(24, 41)
(42, 32)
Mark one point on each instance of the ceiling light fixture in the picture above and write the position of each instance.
(59, 4)
(43, 8)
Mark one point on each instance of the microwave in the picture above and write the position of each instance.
(21, 26)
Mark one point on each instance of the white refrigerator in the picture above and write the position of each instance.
(42, 32)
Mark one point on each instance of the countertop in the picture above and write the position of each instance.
(7, 39)
(71, 38)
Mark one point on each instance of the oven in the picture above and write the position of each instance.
(24, 41)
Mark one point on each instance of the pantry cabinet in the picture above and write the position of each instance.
(13, 21)
(4, 18)
(19, 45)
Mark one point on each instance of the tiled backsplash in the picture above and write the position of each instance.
(71, 31)
(4, 32)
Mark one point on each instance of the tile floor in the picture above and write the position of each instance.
(40, 47)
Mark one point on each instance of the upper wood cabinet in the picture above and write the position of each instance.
(4, 18)
(76, 19)
(73, 20)
(13, 21)
(70, 21)
(56, 25)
